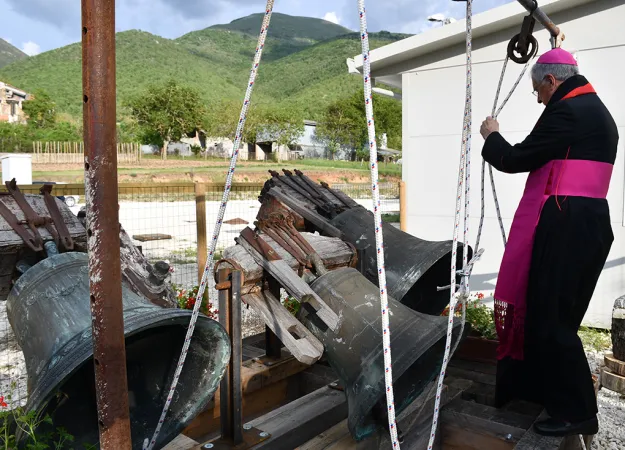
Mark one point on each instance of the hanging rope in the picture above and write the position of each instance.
(463, 175)
(495, 113)
(222, 210)
(373, 158)
(465, 167)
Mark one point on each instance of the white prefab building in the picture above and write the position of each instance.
(430, 69)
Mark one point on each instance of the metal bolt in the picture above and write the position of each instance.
(264, 434)
(333, 384)
(247, 426)
(508, 437)
(208, 446)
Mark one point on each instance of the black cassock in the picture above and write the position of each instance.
(572, 241)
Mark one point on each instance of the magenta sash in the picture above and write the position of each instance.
(580, 178)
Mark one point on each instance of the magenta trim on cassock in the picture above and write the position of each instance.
(580, 178)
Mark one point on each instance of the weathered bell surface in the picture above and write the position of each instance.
(49, 311)
(355, 350)
(415, 268)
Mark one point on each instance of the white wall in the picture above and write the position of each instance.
(433, 103)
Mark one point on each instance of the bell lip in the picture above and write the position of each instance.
(440, 258)
(364, 422)
(134, 324)
(362, 426)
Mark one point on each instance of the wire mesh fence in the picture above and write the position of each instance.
(162, 221)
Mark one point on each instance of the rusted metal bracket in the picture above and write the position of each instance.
(30, 236)
(271, 230)
(251, 437)
(32, 218)
(65, 240)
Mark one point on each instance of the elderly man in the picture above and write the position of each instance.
(558, 244)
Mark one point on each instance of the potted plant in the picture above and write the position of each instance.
(481, 343)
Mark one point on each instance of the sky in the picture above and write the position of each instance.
(36, 26)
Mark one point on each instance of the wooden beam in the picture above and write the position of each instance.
(263, 387)
(306, 348)
(299, 421)
(471, 426)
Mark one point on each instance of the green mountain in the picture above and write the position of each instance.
(284, 26)
(303, 64)
(9, 53)
(142, 59)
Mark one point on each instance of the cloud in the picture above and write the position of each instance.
(64, 14)
(58, 22)
(31, 48)
(332, 17)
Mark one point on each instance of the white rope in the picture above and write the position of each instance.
(462, 176)
(495, 113)
(222, 210)
(373, 157)
(465, 168)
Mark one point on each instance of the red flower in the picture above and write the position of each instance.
(3, 404)
(480, 296)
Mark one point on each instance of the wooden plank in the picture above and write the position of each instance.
(612, 381)
(182, 442)
(468, 425)
(302, 343)
(473, 370)
(299, 421)
(616, 366)
(414, 421)
(263, 386)
(534, 441)
(151, 237)
(293, 284)
(334, 252)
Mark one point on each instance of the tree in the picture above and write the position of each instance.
(344, 123)
(281, 124)
(41, 110)
(168, 111)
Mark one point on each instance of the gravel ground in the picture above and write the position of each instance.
(611, 412)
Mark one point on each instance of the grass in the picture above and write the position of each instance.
(595, 339)
(217, 170)
(390, 218)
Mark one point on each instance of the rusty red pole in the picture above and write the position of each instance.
(99, 116)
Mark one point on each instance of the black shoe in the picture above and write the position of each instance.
(556, 427)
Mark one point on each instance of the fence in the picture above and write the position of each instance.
(73, 153)
(165, 221)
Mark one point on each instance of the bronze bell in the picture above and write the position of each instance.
(355, 350)
(415, 268)
(49, 311)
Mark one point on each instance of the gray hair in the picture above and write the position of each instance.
(560, 72)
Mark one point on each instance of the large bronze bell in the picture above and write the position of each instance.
(49, 311)
(355, 350)
(415, 268)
